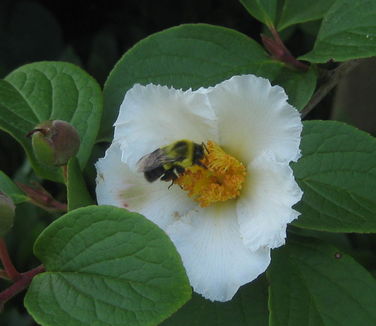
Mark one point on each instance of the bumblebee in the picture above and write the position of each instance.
(169, 161)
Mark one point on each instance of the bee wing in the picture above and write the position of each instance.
(153, 160)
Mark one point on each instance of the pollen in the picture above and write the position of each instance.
(219, 179)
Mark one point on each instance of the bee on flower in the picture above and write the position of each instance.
(168, 161)
(227, 151)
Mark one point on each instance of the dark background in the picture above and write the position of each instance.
(94, 35)
(39, 30)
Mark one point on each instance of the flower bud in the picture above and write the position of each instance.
(55, 142)
(7, 212)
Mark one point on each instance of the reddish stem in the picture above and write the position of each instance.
(59, 206)
(9, 268)
(40, 197)
(279, 51)
(4, 275)
(21, 284)
(278, 39)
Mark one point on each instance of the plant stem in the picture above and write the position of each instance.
(41, 198)
(332, 80)
(4, 275)
(21, 284)
(9, 268)
(65, 172)
(279, 51)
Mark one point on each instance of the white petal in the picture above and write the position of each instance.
(153, 116)
(254, 117)
(118, 185)
(265, 205)
(214, 256)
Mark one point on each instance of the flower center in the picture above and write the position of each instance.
(221, 178)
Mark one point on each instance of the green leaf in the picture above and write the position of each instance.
(50, 90)
(316, 284)
(263, 10)
(77, 193)
(248, 308)
(298, 86)
(298, 11)
(337, 173)
(348, 31)
(106, 266)
(194, 56)
(8, 187)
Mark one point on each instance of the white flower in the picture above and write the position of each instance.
(224, 244)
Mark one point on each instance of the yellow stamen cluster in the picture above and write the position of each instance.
(221, 178)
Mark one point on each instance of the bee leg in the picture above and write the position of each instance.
(177, 170)
(172, 178)
(171, 184)
(169, 175)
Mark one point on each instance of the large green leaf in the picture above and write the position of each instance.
(50, 90)
(337, 173)
(298, 11)
(106, 266)
(8, 187)
(316, 284)
(263, 10)
(348, 31)
(192, 56)
(249, 307)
